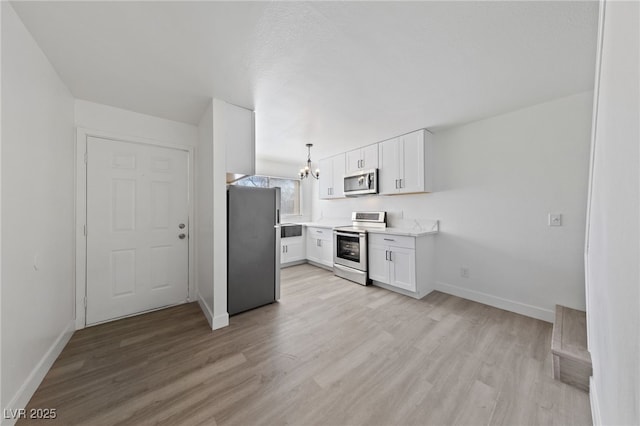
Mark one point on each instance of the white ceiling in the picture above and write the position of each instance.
(338, 74)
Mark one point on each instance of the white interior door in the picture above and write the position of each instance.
(137, 228)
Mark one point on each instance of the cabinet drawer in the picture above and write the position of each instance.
(392, 240)
(320, 233)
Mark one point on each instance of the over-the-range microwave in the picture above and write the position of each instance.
(361, 183)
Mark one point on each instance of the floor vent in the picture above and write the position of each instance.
(571, 359)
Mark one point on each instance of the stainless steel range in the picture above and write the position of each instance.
(350, 246)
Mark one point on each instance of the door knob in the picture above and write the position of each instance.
(181, 226)
(182, 236)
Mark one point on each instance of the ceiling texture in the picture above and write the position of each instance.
(337, 74)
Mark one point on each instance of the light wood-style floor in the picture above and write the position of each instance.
(330, 353)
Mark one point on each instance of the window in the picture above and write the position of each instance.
(289, 191)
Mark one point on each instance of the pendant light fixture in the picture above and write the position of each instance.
(307, 170)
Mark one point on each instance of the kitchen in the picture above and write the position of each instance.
(484, 168)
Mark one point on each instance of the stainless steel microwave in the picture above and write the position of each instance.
(361, 183)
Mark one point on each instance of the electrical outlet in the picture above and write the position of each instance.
(464, 272)
(555, 219)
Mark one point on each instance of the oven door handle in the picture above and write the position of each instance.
(349, 234)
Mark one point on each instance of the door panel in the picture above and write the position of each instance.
(403, 268)
(338, 169)
(353, 160)
(412, 162)
(326, 178)
(378, 265)
(370, 157)
(137, 195)
(389, 165)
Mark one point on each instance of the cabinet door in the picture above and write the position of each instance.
(353, 161)
(338, 169)
(388, 159)
(402, 271)
(283, 252)
(295, 250)
(314, 252)
(412, 162)
(326, 252)
(378, 264)
(326, 178)
(369, 157)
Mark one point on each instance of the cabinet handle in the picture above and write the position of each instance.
(401, 185)
(389, 239)
(396, 183)
(286, 249)
(386, 255)
(390, 258)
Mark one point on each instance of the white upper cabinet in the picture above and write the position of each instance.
(406, 163)
(362, 159)
(389, 166)
(239, 137)
(332, 171)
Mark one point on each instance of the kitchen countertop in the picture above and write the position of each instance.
(328, 224)
(418, 231)
(403, 231)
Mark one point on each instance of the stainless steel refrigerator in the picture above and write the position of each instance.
(253, 247)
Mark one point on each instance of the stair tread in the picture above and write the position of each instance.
(569, 337)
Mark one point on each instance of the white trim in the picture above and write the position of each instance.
(497, 302)
(81, 211)
(30, 385)
(594, 128)
(593, 398)
(220, 321)
(206, 310)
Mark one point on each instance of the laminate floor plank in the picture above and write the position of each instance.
(330, 352)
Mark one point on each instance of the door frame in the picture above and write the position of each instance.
(82, 135)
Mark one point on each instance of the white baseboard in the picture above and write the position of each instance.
(220, 321)
(497, 302)
(30, 385)
(595, 407)
(205, 309)
(215, 322)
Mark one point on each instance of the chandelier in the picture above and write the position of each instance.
(307, 170)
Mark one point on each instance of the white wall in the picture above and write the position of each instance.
(613, 232)
(37, 213)
(496, 181)
(220, 315)
(93, 116)
(204, 214)
(211, 216)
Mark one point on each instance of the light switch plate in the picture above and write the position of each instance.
(555, 219)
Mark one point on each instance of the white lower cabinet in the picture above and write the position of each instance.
(402, 263)
(292, 249)
(320, 246)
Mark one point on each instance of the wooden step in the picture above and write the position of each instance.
(571, 359)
